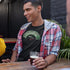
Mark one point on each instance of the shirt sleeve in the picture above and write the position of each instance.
(55, 45)
(18, 45)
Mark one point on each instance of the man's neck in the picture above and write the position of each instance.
(38, 22)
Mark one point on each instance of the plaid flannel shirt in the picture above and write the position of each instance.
(50, 42)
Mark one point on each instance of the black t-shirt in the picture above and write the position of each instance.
(31, 40)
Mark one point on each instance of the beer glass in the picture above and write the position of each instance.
(33, 55)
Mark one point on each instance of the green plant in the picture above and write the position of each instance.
(64, 51)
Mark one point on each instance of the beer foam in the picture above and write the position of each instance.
(34, 56)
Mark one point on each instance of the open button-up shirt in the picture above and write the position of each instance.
(50, 42)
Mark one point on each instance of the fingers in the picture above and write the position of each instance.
(6, 60)
(3, 60)
(39, 63)
(29, 60)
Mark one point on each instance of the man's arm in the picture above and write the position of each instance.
(13, 58)
(50, 59)
(14, 55)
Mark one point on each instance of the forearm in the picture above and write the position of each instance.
(50, 59)
(13, 58)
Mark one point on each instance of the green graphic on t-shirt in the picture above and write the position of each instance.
(32, 34)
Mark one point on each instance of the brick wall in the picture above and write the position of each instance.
(58, 11)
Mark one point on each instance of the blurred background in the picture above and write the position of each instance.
(11, 15)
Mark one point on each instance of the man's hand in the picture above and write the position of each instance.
(13, 58)
(40, 63)
(6, 60)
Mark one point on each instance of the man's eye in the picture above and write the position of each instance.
(28, 9)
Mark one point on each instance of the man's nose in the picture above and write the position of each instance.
(25, 13)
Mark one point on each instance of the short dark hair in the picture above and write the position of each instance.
(35, 2)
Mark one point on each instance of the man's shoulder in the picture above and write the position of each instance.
(54, 22)
(51, 24)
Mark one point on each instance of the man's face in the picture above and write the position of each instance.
(30, 12)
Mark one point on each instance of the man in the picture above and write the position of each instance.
(68, 16)
(38, 35)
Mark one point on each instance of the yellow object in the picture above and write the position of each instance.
(2, 47)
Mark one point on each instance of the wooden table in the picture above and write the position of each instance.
(59, 65)
(16, 66)
(26, 66)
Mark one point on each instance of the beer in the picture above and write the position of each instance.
(32, 58)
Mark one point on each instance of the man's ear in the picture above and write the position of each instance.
(39, 8)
